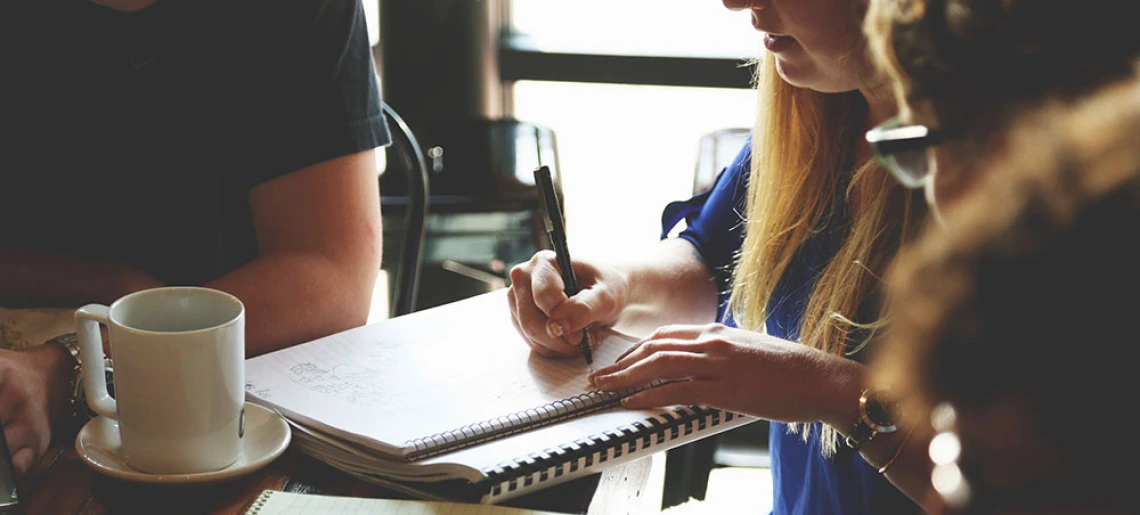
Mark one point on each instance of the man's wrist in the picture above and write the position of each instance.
(79, 411)
(55, 359)
(58, 367)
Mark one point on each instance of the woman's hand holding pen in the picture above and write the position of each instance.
(737, 370)
(550, 322)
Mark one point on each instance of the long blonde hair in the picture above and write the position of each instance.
(805, 178)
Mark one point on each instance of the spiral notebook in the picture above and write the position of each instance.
(276, 502)
(449, 403)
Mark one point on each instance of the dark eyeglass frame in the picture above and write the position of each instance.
(894, 137)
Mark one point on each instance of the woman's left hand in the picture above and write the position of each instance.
(736, 370)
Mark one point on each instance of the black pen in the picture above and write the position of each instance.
(556, 230)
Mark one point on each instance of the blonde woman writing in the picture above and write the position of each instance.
(798, 295)
(807, 271)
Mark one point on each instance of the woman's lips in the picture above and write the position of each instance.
(776, 43)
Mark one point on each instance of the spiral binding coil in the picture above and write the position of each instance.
(259, 503)
(526, 420)
(584, 453)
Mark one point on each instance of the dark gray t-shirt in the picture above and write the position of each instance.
(136, 137)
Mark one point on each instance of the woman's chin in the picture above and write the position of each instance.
(808, 76)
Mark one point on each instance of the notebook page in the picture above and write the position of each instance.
(275, 502)
(418, 375)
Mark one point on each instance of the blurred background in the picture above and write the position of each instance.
(631, 104)
(615, 95)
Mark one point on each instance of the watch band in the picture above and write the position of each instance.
(859, 435)
(79, 408)
(69, 341)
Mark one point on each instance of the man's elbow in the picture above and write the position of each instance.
(355, 289)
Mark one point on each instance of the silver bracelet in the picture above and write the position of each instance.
(69, 341)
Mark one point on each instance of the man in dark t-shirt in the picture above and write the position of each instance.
(175, 142)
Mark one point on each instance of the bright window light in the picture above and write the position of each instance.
(661, 27)
(625, 151)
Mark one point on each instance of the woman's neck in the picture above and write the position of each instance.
(881, 106)
(881, 102)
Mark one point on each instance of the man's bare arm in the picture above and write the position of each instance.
(319, 244)
(31, 279)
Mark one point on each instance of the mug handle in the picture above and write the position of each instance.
(87, 319)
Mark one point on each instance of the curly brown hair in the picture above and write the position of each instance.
(971, 65)
(1026, 300)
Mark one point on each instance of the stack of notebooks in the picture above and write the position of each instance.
(449, 404)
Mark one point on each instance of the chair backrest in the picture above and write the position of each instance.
(717, 150)
(405, 154)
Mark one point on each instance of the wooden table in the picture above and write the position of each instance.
(62, 484)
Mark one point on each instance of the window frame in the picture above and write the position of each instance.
(521, 61)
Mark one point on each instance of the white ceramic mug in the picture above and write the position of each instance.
(179, 355)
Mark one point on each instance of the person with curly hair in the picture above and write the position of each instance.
(1006, 340)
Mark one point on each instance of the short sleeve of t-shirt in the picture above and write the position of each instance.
(162, 121)
(715, 221)
(324, 100)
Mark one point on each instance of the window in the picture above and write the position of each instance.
(626, 151)
(629, 88)
(624, 27)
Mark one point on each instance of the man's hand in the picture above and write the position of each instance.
(33, 400)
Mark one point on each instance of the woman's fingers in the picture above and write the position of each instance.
(685, 334)
(578, 313)
(528, 319)
(546, 284)
(678, 338)
(664, 363)
(669, 394)
(518, 326)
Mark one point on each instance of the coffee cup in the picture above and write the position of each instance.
(179, 384)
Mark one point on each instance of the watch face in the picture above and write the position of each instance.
(881, 411)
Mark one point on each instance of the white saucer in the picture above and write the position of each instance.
(267, 435)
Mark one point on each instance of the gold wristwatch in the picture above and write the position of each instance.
(877, 414)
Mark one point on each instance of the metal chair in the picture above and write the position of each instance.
(717, 150)
(406, 153)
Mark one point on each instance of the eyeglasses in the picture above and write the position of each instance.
(905, 150)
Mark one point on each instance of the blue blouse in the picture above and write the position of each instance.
(805, 482)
